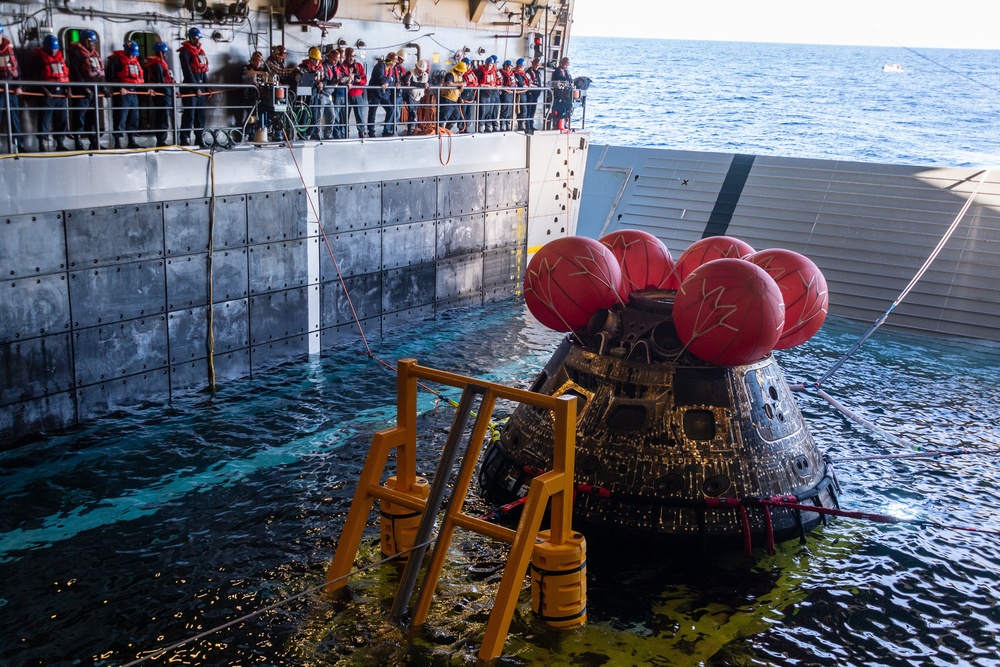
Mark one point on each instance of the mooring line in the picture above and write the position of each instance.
(157, 653)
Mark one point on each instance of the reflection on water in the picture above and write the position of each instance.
(145, 529)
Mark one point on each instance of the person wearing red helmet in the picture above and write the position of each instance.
(55, 109)
(86, 66)
(124, 68)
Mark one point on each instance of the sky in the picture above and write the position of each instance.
(964, 24)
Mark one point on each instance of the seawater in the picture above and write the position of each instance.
(155, 525)
(794, 100)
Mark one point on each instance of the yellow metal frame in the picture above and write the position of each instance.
(556, 485)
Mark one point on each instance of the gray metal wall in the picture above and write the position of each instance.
(103, 308)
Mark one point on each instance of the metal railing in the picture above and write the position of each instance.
(104, 116)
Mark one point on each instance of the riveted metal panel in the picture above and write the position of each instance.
(188, 330)
(278, 315)
(351, 207)
(230, 274)
(409, 200)
(497, 292)
(278, 266)
(34, 306)
(461, 195)
(503, 266)
(49, 412)
(393, 320)
(277, 352)
(407, 245)
(276, 216)
(365, 296)
(100, 399)
(35, 367)
(460, 276)
(187, 278)
(185, 224)
(344, 335)
(403, 289)
(193, 375)
(114, 234)
(32, 245)
(460, 236)
(506, 189)
(114, 293)
(357, 253)
(120, 349)
(504, 228)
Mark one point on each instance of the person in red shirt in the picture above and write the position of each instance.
(161, 100)
(10, 74)
(85, 66)
(55, 109)
(355, 92)
(124, 68)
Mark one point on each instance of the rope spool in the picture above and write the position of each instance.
(398, 525)
(559, 581)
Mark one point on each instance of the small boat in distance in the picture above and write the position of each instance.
(892, 67)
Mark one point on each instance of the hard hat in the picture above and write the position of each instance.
(492, 59)
(520, 62)
(194, 33)
(161, 47)
(314, 54)
(131, 48)
(508, 63)
(50, 43)
(461, 67)
(466, 61)
(90, 35)
(390, 57)
(278, 49)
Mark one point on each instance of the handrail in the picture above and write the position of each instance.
(407, 490)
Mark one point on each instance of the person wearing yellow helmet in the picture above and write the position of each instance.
(312, 73)
(451, 91)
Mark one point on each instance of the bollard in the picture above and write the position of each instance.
(559, 581)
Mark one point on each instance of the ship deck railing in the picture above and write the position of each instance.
(234, 113)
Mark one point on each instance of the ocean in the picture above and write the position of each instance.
(794, 100)
(155, 525)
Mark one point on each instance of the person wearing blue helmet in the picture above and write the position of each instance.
(86, 67)
(489, 95)
(124, 68)
(506, 95)
(10, 89)
(194, 72)
(55, 108)
(161, 99)
(521, 83)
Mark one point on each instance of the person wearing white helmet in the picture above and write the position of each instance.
(194, 70)
(415, 82)
(86, 66)
(10, 89)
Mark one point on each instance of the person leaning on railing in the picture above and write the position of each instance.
(415, 83)
(381, 93)
(451, 91)
(9, 74)
(319, 102)
(337, 78)
(255, 73)
(356, 90)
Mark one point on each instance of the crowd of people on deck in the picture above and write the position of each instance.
(487, 96)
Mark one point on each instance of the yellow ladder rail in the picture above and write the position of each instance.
(555, 487)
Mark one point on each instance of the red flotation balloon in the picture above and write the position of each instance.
(803, 289)
(707, 249)
(646, 262)
(729, 312)
(570, 279)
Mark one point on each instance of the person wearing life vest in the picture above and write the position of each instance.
(382, 93)
(522, 81)
(562, 93)
(451, 91)
(320, 102)
(506, 95)
(161, 100)
(356, 89)
(337, 79)
(10, 89)
(55, 108)
(467, 99)
(86, 67)
(124, 68)
(194, 71)
(534, 74)
(489, 94)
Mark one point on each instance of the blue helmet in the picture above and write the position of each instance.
(161, 47)
(50, 43)
(492, 59)
(131, 48)
(520, 62)
(89, 35)
(194, 33)
(508, 63)
(466, 61)
(1, 28)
